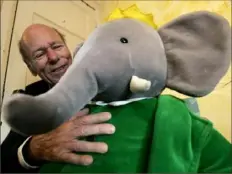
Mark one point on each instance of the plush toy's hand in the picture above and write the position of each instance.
(66, 140)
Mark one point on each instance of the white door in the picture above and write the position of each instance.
(75, 19)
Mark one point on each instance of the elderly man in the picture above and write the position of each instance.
(46, 54)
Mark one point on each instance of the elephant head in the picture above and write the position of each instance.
(126, 58)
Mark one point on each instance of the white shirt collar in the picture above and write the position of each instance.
(117, 103)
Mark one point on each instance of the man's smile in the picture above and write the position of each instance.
(60, 69)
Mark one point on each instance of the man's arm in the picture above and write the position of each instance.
(216, 156)
(9, 154)
(10, 148)
(57, 145)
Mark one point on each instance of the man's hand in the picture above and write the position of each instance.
(62, 143)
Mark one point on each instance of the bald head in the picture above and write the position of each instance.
(43, 49)
(34, 29)
(31, 32)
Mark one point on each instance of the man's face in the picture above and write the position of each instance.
(50, 57)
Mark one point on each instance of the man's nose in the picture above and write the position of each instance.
(52, 55)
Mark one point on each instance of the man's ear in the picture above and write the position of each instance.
(198, 51)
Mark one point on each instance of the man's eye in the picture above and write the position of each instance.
(56, 46)
(38, 56)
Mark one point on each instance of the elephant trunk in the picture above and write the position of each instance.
(29, 115)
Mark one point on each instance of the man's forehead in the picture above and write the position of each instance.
(41, 38)
(40, 35)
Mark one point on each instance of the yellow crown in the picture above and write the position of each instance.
(134, 13)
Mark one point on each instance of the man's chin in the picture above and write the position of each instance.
(51, 80)
(56, 79)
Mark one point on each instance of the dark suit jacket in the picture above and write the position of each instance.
(9, 147)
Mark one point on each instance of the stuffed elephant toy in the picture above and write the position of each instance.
(129, 61)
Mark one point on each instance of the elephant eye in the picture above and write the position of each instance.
(124, 40)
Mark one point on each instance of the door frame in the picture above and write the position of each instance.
(10, 16)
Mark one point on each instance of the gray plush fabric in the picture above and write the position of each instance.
(189, 54)
(198, 50)
(114, 62)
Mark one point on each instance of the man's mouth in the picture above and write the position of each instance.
(59, 69)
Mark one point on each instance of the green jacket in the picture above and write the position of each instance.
(156, 135)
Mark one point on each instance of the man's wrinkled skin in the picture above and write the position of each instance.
(65, 140)
(49, 57)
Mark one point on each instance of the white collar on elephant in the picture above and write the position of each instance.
(118, 103)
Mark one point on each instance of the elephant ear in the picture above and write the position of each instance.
(198, 51)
